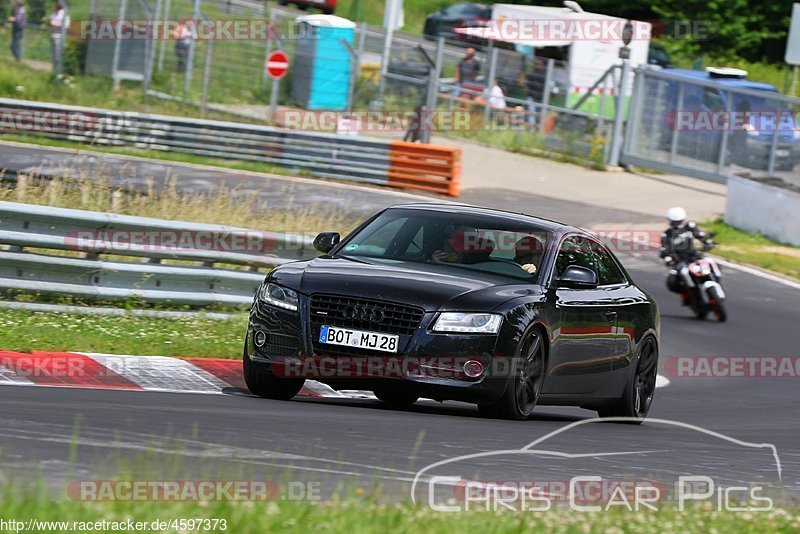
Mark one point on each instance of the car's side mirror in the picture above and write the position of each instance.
(325, 241)
(577, 277)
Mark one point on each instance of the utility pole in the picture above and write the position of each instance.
(619, 116)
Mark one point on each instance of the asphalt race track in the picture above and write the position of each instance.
(81, 433)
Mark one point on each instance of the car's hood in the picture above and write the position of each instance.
(432, 287)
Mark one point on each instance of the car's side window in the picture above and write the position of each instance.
(608, 273)
(575, 250)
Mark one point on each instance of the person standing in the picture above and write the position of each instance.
(58, 32)
(183, 44)
(497, 98)
(468, 69)
(18, 21)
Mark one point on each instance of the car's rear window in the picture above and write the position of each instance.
(493, 245)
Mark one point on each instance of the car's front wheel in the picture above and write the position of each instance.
(260, 381)
(635, 402)
(523, 391)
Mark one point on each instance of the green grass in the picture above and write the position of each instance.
(352, 514)
(755, 249)
(25, 331)
(222, 206)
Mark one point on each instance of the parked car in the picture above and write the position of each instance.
(446, 19)
(327, 6)
(751, 144)
(444, 301)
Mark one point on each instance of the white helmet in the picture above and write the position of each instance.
(676, 216)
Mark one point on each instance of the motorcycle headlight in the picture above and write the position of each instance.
(278, 296)
(468, 323)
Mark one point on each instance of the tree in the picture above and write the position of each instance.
(735, 28)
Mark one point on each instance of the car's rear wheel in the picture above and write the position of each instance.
(260, 381)
(523, 391)
(640, 389)
(396, 398)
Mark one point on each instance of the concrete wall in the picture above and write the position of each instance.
(757, 207)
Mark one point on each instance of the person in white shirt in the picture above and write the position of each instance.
(184, 40)
(58, 31)
(497, 99)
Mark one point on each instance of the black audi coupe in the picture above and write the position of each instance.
(454, 302)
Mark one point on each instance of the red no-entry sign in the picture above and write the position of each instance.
(277, 64)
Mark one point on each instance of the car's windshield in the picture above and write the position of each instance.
(479, 243)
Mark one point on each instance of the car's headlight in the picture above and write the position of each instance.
(472, 323)
(281, 297)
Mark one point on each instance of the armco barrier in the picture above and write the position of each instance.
(396, 164)
(24, 227)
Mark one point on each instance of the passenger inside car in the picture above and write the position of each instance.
(528, 253)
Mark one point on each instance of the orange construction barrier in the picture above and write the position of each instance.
(427, 167)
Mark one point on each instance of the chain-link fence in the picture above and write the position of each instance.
(229, 72)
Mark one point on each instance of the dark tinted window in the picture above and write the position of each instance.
(575, 250)
(608, 273)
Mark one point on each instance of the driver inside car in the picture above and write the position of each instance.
(464, 246)
(528, 253)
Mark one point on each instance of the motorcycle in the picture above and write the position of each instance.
(698, 283)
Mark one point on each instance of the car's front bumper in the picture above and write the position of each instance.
(431, 364)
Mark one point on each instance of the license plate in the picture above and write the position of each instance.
(782, 153)
(333, 335)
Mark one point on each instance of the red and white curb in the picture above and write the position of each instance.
(137, 373)
(145, 373)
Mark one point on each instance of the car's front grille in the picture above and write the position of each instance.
(365, 314)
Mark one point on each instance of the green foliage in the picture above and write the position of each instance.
(75, 56)
(37, 10)
(735, 28)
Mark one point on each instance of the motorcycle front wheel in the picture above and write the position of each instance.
(717, 305)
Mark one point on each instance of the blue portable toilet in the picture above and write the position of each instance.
(322, 65)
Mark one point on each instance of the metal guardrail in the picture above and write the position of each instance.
(31, 235)
(317, 154)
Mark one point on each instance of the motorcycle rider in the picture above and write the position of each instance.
(678, 249)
